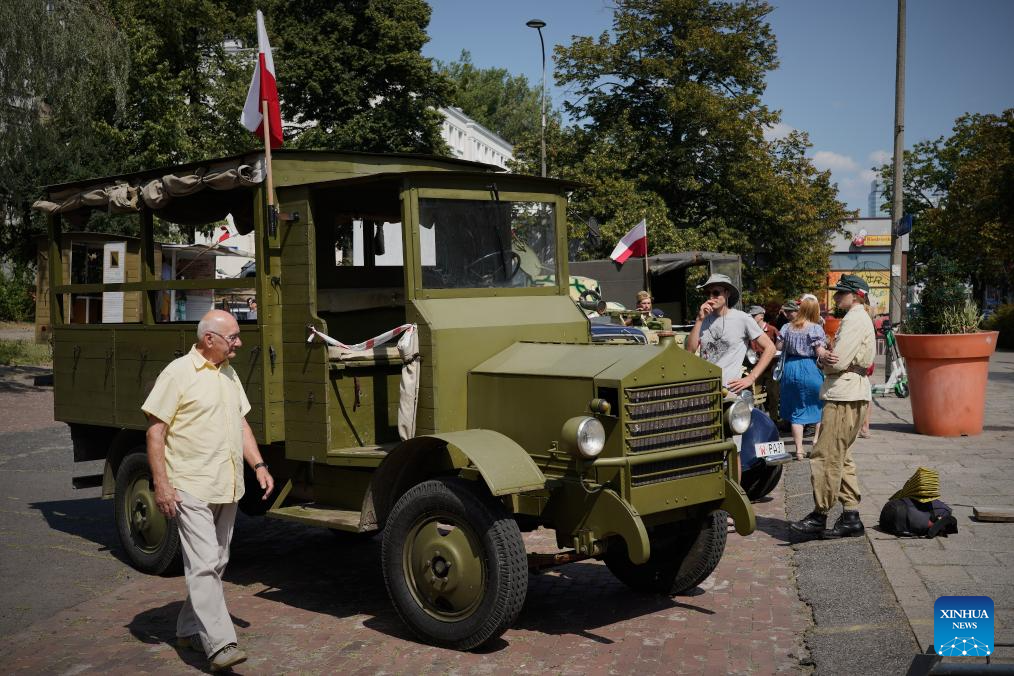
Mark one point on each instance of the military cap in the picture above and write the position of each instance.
(852, 284)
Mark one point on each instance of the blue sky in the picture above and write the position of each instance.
(836, 78)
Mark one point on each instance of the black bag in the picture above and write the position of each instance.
(909, 518)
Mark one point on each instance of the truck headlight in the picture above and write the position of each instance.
(583, 436)
(737, 416)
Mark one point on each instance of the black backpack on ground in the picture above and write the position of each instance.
(910, 518)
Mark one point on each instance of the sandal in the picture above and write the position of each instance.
(865, 435)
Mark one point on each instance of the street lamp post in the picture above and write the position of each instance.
(539, 24)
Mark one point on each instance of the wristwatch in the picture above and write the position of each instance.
(259, 465)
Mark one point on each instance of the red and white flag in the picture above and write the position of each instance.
(263, 88)
(634, 243)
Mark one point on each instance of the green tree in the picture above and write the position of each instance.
(504, 103)
(960, 189)
(351, 75)
(671, 114)
(55, 58)
(186, 89)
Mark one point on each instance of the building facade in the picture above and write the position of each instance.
(876, 206)
(865, 250)
(469, 140)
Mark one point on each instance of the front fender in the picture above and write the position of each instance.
(505, 467)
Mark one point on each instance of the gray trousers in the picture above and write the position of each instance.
(205, 534)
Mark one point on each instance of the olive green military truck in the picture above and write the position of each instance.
(491, 415)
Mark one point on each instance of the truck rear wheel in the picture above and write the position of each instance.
(682, 556)
(151, 541)
(454, 564)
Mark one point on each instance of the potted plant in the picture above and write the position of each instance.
(946, 355)
(832, 322)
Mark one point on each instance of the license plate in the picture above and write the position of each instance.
(769, 448)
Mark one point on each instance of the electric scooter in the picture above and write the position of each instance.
(898, 380)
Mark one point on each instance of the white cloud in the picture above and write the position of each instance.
(777, 130)
(826, 159)
(867, 175)
(879, 157)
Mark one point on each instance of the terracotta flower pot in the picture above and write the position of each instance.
(947, 379)
(831, 325)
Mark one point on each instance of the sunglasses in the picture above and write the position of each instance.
(715, 293)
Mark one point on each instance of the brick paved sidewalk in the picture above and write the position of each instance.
(974, 471)
(25, 406)
(306, 601)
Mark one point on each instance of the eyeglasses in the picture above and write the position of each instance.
(229, 339)
(715, 293)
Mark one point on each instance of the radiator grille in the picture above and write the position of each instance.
(672, 416)
(677, 468)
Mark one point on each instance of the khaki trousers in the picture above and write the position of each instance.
(832, 470)
(205, 534)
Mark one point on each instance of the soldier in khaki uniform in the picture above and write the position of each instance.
(847, 396)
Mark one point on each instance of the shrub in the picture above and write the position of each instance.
(944, 304)
(17, 287)
(1003, 321)
(24, 353)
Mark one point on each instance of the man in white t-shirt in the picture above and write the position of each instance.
(723, 334)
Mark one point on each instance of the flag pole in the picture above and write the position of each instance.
(272, 211)
(647, 278)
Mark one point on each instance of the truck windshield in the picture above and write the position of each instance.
(486, 244)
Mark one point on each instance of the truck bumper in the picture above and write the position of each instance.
(738, 506)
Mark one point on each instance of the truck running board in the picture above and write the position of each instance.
(313, 514)
(89, 481)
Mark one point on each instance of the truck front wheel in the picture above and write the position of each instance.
(151, 541)
(454, 563)
(683, 555)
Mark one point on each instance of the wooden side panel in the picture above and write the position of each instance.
(84, 376)
(363, 406)
(132, 310)
(43, 329)
(305, 381)
(141, 355)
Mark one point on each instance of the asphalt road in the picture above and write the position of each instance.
(860, 628)
(59, 545)
(60, 549)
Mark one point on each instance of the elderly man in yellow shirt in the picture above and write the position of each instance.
(846, 394)
(197, 440)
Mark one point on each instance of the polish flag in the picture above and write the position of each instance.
(263, 88)
(634, 243)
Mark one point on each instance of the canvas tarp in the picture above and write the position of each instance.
(177, 197)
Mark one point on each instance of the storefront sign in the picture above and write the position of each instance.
(877, 240)
(871, 277)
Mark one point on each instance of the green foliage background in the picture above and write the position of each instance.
(665, 110)
(960, 189)
(670, 128)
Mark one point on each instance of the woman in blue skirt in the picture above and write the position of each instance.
(799, 339)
